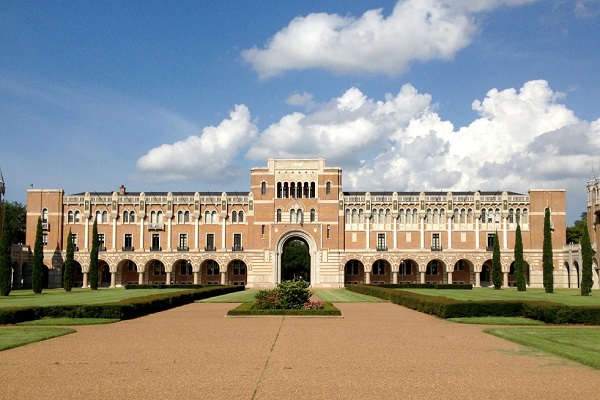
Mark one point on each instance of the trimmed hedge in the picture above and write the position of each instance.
(443, 307)
(165, 286)
(125, 309)
(428, 286)
(245, 309)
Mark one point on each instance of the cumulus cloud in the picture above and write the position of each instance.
(416, 30)
(205, 157)
(302, 99)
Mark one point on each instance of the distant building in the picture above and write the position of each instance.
(593, 222)
(352, 237)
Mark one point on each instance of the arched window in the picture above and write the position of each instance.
(401, 216)
(125, 217)
(279, 215)
(70, 217)
(429, 216)
(525, 216)
(361, 216)
(354, 216)
(207, 217)
(214, 218)
(234, 216)
(497, 219)
(263, 188)
(132, 217)
(104, 216)
(312, 190)
(77, 216)
(45, 215)
(415, 216)
(469, 216)
(300, 216)
(388, 216)
(348, 218)
(463, 216)
(312, 215)
(241, 216)
(279, 190)
(179, 217)
(98, 216)
(292, 216)
(511, 216)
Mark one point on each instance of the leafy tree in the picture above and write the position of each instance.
(547, 263)
(496, 265)
(295, 260)
(586, 264)
(575, 232)
(69, 262)
(15, 216)
(519, 263)
(93, 274)
(38, 259)
(5, 262)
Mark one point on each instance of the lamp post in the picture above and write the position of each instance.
(402, 269)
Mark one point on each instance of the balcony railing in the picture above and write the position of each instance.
(156, 226)
(210, 248)
(237, 248)
(153, 248)
(183, 248)
(436, 248)
(128, 248)
(382, 248)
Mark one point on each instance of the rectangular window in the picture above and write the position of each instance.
(210, 242)
(328, 188)
(328, 232)
(128, 244)
(183, 242)
(237, 242)
(435, 242)
(262, 231)
(405, 268)
(101, 241)
(45, 239)
(74, 240)
(432, 268)
(155, 242)
(490, 242)
(263, 188)
(381, 242)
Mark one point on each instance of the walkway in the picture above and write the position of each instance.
(378, 350)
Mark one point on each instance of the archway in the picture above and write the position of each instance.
(577, 279)
(486, 274)
(183, 273)
(103, 274)
(295, 260)
(435, 272)
(354, 272)
(129, 272)
(462, 272)
(210, 270)
(381, 272)
(237, 273)
(311, 248)
(157, 273)
(408, 272)
(568, 274)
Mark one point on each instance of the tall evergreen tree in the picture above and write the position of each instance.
(38, 259)
(547, 263)
(93, 274)
(69, 262)
(5, 261)
(586, 263)
(519, 263)
(496, 265)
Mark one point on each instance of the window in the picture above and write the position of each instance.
(241, 216)
(237, 242)
(210, 242)
(131, 266)
(279, 215)
(352, 267)
(180, 217)
(292, 216)
(238, 267)
(300, 216)
(234, 216)
(432, 268)
(186, 216)
(379, 267)
(104, 217)
(183, 242)
(406, 267)
(185, 268)
(435, 242)
(159, 268)
(511, 216)
(100, 241)
(381, 242)
(128, 243)
(214, 218)
(155, 242)
(45, 239)
(212, 268)
(207, 217)
(263, 188)
(45, 215)
(312, 215)
(131, 217)
(262, 231)
(77, 216)
(125, 217)
(460, 265)
(74, 239)
(490, 242)
(70, 217)
(328, 188)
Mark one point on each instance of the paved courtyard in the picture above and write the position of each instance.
(377, 350)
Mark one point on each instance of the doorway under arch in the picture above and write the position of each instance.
(300, 243)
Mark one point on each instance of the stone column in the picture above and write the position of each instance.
(450, 277)
(367, 278)
(449, 232)
(505, 278)
(422, 276)
(223, 281)
(113, 279)
(168, 278)
(395, 234)
(140, 278)
(395, 277)
(85, 280)
(195, 278)
(477, 279)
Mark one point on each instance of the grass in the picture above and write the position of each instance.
(245, 296)
(17, 336)
(58, 297)
(344, 296)
(578, 344)
(570, 297)
(68, 321)
(497, 321)
(245, 309)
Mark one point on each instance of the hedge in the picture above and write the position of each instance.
(444, 307)
(125, 309)
(444, 286)
(246, 310)
(164, 286)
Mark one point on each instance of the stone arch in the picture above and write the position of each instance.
(408, 271)
(237, 272)
(354, 272)
(210, 271)
(312, 251)
(182, 272)
(155, 271)
(381, 271)
(127, 272)
(434, 271)
(462, 272)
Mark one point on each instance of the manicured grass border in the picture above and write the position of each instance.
(124, 309)
(490, 320)
(18, 336)
(578, 344)
(67, 321)
(329, 310)
(445, 307)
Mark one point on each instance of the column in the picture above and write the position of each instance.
(223, 281)
(422, 276)
(140, 278)
(449, 232)
(395, 277)
(196, 233)
(395, 234)
(449, 277)
(86, 234)
(476, 233)
(504, 235)
(113, 279)
(505, 278)
(367, 277)
(141, 247)
(223, 235)
(195, 278)
(367, 223)
(477, 279)
(85, 280)
(169, 225)
(114, 234)
(168, 278)
(422, 232)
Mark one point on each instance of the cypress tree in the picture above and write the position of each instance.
(496, 265)
(38, 259)
(69, 261)
(5, 261)
(519, 264)
(94, 258)
(547, 263)
(586, 263)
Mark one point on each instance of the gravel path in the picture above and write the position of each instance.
(377, 350)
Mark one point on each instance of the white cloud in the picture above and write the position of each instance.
(206, 157)
(416, 30)
(302, 99)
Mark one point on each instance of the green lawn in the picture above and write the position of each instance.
(344, 296)
(58, 297)
(578, 344)
(497, 321)
(247, 296)
(17, 336)
(565, 296)
(67, 321)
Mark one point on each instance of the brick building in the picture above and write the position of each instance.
(351, 237)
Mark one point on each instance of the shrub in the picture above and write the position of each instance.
(287, 295)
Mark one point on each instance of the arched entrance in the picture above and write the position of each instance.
(103, 274)
(300, 243)
(210, 272)
(354, 273)
(128, 272)
(462, 272)
(237, 273)
(486, 274)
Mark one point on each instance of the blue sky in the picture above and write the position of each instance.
(406, 95)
